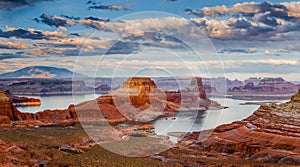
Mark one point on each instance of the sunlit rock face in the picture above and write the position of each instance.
(137, 89)
(271, 134)
(138, 99)
(5, 106)
(22, 101)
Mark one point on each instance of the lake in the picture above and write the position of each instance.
(57, 102)
(184, 121)
(187, 121)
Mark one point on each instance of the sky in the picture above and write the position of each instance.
(234, 39)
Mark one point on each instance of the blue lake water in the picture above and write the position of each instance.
(187, 121)
(184, 121)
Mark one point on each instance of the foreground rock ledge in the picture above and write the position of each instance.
(270, 135)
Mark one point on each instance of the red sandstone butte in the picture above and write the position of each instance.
(270, 135)
(138, 99)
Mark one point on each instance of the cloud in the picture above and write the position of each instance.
(70, 17)
(54, 21)
(244, 9)
(155, 39)
(268, 52)
(250, 21)
(67, 21)
(31, 33)
(92, 23)
(110, 7)
(4, 56)
(239, 50)
(97, 19)
(293, 9)
(10, 4)
(142, 28)
(12, 45)
(123, 48)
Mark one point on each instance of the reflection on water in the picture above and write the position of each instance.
(184, 121)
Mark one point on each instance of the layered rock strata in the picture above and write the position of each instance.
(270, 135)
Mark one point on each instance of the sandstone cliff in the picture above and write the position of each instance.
(138, 99)
(270, 135)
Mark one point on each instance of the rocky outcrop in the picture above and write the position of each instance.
(138, 99)
(266, 88)
(6, 107)
(194, 97)
(22, 101)
(270, 135)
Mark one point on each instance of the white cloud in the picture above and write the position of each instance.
(12, 45)
(268, 52)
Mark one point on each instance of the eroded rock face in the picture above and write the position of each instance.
(271, 134)
(6, 108)
(266, 85)
(22, 101)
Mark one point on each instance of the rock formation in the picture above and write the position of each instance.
(22, 101)
(138, 99)
(6, 107)
(270, 135)
(266, 88)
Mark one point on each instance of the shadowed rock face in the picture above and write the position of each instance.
(138, 99)
(271, 134)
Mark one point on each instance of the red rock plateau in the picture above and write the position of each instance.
(270, 135)
(138, 99)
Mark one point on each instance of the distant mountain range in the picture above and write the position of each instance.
(41, 72)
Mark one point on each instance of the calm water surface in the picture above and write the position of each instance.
(184, 121)
(57, 102)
